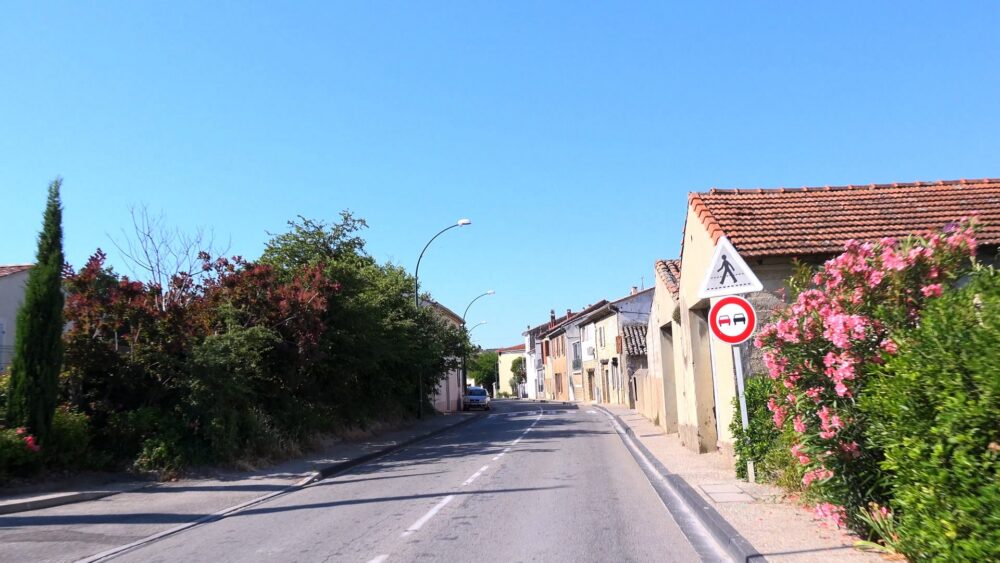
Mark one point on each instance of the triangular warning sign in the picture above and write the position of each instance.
(728, 274)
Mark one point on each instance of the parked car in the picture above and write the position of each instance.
(476, 398)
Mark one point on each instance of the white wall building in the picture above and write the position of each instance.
(12, 281)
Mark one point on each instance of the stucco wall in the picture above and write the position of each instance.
(11, 298)
(660, 353)
(506, 360)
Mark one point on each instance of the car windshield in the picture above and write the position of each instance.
(477, 392)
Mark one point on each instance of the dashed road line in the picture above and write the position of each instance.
(415, 527)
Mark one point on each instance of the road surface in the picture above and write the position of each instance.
(528, 482)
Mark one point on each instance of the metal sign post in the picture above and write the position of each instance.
(744, 418)
(733, 320)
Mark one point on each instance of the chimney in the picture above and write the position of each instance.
(569, 313)
(552, 317)
(635, 290)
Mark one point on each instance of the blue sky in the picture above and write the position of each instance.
(570, 133)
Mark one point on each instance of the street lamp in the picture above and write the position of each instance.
(416, 273)
(416, 301)
(465, 372)
(477, 325)
(489, 292)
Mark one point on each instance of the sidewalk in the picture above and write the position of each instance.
(780, 530)
(130, 512)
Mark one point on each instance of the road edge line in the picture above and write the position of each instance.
(679, 490)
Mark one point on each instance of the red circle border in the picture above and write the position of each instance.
(751, 326)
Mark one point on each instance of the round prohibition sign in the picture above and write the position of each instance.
(732, 319)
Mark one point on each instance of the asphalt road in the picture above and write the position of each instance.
(527, 482)
(530, 482)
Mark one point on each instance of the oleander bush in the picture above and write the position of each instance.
(825, 349)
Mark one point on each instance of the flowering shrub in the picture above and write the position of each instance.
(820, 351)
(20, 453)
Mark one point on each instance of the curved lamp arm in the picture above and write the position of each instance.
(416, 273)
(490, 292)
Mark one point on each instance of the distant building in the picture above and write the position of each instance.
(448, 394)
(505, 359)
(12, 283)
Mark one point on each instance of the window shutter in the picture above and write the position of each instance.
(618, 344)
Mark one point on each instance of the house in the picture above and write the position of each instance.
(660, 347)
(12, 283)
(448, 393)
(505, 360)
(608, 366)
(562, 356)
(770, 229)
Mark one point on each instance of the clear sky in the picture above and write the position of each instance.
(570, 133)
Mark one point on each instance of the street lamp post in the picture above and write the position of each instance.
(465, 356)
(416, 301)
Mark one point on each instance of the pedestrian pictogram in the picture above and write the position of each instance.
(732, 320)
(728, 273)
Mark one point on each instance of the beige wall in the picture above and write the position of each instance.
(613, 389)
(506, 362)
(661, 358)
(706, 385)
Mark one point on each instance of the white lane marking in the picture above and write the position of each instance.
(476, 475)
(591, 412)
(380, 558)
(496, 457)
(426, 517)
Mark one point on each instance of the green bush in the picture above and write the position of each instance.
(68, 445)
(16, 458)
(762, 438)
(936, 415)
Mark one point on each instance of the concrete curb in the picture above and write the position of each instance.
(60, 499)
(728, 538)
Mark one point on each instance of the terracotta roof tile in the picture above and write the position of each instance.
(13, 269)
(670, 272)
(781, 222)
(635, 339)
(510, 349)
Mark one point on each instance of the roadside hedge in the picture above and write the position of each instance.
(935, 413)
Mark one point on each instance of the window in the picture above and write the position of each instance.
(600, 336)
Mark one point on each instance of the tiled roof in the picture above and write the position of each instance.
(781, 222)
(635, 339)
(563, 321)
(512, 349)
(670, 272)
(13, 269)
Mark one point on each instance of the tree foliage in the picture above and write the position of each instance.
(248, 358)
(38, 348)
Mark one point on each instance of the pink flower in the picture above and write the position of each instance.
(892, 261)
(20, 431)
(832, 512)
(797, 423)
(797, 452)
(852, 449)
(29, 442)
(889, 346)
(820, 474)
(932, 290)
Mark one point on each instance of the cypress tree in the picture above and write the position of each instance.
(37, 358)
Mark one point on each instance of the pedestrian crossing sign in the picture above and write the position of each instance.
(728, 274)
